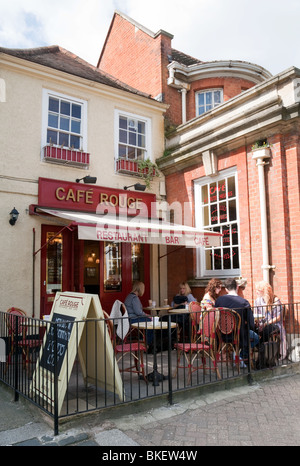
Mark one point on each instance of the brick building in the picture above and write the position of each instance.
(231, 159)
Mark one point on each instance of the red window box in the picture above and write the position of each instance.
(130, 167)
(66, 156)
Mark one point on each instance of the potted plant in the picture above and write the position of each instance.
(148, 170)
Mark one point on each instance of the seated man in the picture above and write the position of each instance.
(233, 301)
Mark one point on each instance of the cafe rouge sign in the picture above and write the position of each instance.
(88, 198)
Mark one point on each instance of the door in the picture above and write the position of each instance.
(56, 264)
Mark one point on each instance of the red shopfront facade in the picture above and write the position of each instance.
(105, 268)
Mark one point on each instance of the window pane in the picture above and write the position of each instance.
(123, 122)
(227, 258)
(204, 194)
(214, 214)
(51, 137)
(54, 259)
(231, 187)
(65, 107)
(232, 210)
(208, 260)
(137, 261)
(112, 267)
(141, 141)
(217, 97)
(63, 140)
(53, 105)
(132, 139)
(141, 127)
(122, 151)
(76, 111)
(206, 216)
(65, 124)
(201, 99)
(222, 189)
(123, 136)
(131, 153)
(217, 259)
(223, 212)
(209, 99)
(236, 262)
(53, 120)
(75, 126)
(234, 234)
(226, 235)
(213, 192)
(75, 141)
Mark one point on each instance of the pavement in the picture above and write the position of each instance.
(264, 413)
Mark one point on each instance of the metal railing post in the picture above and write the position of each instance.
(15, 328)
(55, 380)
(170, 361)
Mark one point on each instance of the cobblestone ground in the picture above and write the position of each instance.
(267, 415)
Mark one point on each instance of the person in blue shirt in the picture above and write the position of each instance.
(134, 308)
(233, 301)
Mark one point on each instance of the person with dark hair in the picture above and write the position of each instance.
(233, 301)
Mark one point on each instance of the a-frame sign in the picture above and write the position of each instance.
(79, 327)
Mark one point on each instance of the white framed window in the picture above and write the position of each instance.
(64, 121)
(132, 136)
(208, 99)
(216, 209)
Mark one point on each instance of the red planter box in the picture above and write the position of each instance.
(63, 155)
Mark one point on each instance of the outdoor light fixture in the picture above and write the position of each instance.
(87, 179)
(137, 187)
(14, 214)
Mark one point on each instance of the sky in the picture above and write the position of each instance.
(263, 32)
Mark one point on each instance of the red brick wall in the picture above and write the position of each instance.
(134, 57)
(283, 209)
(231, 87)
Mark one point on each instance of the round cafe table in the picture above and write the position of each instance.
(154, 376)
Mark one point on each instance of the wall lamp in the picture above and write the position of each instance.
(87, 179)
(137, 187)
(14, 214)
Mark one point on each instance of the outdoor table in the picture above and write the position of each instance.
(158, 310)
(155, 376)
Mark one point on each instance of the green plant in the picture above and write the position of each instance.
(148, 170)
(260, 144)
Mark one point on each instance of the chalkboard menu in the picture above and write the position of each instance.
(64, 325)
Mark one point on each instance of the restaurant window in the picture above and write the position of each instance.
(64, 121)
(207, 100)
(112, 266)
(54, 262)
(216, 203)
(137, 261)
(133, 136)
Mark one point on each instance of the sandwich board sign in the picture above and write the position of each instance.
(79, 329)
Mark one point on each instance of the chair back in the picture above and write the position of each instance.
(229, 320)
(208, 325)
(11, 320)
(195, 317)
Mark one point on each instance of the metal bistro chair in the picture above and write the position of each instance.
(133, 348)
(229, 334)
(203, 342)
(18, 335)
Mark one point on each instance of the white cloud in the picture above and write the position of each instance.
(262, 32)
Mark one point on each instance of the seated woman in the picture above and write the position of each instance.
(183, 297)
(135, 309)
(212, 291)
(179, 302)
(270, 310)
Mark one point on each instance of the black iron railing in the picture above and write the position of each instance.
(67, 368)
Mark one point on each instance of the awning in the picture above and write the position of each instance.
(135, 230)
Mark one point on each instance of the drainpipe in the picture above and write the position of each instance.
(259, 155)
(183, 104)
